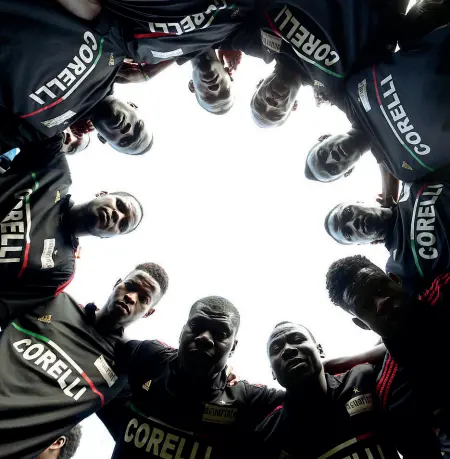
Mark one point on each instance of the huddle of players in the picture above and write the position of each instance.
(65, 362)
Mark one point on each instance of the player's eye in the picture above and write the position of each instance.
(334, 170)
(222, 335)
(348, 212)
(348, 235)
(144, 299)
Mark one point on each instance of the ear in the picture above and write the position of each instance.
(149, 313)
(132, 105)
(118, 282)
(321, 353)
(295, 106)
(234, 347)
(349, 172)
(101, 193)
(323, 137)
(58, 444)
(360, 323)
(191, 86)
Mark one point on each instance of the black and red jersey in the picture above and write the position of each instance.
(347, 424)
(54, 68)
(168, 415)
(56, 370)
(401, 103)
(37, 250)
(329, 39)
(418, 241)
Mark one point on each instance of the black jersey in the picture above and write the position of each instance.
(418, 242)
(54, 68)
(168, 417)
(347, 425)
(56, 370)
(37, 251)
(162, 30)
(329, 39)
(402, 105)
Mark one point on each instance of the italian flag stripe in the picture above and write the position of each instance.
(412, 235)
(392, 127)
(55, 346)
(28, 216)
(74, 87)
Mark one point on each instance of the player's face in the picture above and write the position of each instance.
(212, 84)
(274, 99)
(119, 125)
(377, 301)
(294, 356)
(356, 223)
(110, 215)
(330, 159)
(133, 298)
(73, 144)
(206, 342)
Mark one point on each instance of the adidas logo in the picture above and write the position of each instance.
(405, 165)
(147, 385)
(46, 319)
(58, 197)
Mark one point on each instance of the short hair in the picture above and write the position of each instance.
(157, 272)
(343, 273)
(288, 322)
(124, 194)
(73, 439)
(308, 172)
(222, 305)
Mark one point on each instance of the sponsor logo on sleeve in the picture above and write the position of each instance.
(106, 371)
(46, 319)
(146, 386)
(47, 254)
(271, 42)
(359, 404)
(61, 119)
(168, 54)
(219, 414)
(362, 94)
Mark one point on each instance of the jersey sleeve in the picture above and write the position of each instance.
(116, 412)
(262, 401)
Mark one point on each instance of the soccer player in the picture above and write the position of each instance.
(406, 134)
(57, 361)
(41, 225)
(322, 415)
(64, 447)
(181, 404)
(415, 232)
(378, 303)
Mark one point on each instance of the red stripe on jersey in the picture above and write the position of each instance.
(44, 108)
(94, 389)
(25, 260)
(153, 35)
(375, 84)
(388, 387)
(430, 290)
(68, 281)
(272, 26)
(364, 436)
(276, 409)
(384, 378)
(433, 297)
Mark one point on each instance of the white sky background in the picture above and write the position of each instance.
(227, 212)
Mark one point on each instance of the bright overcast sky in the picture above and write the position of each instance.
(227, 212)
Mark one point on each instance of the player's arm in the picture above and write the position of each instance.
(338, 365)
(134, 72)
(389, 188)
(84, 9)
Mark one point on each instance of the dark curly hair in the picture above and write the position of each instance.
(157, 272)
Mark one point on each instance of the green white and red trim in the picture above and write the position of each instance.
(64, 354)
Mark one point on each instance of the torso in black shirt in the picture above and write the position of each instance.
(346, 425)
(418, 243)
(402, 104)
(37, 250)
(167, 416)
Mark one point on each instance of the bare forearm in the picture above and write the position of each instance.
(84, 9)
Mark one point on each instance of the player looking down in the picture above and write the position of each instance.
(41, 226)
(180, 398)
(345, 406)
(415, 232)
(58, 361)
(64, 447)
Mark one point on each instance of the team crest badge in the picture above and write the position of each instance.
(111, 60)
(58, 197)
(405, 165)
(147, 385)
(46, 319)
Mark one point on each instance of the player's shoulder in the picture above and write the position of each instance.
(156, 347)
(364, 372)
